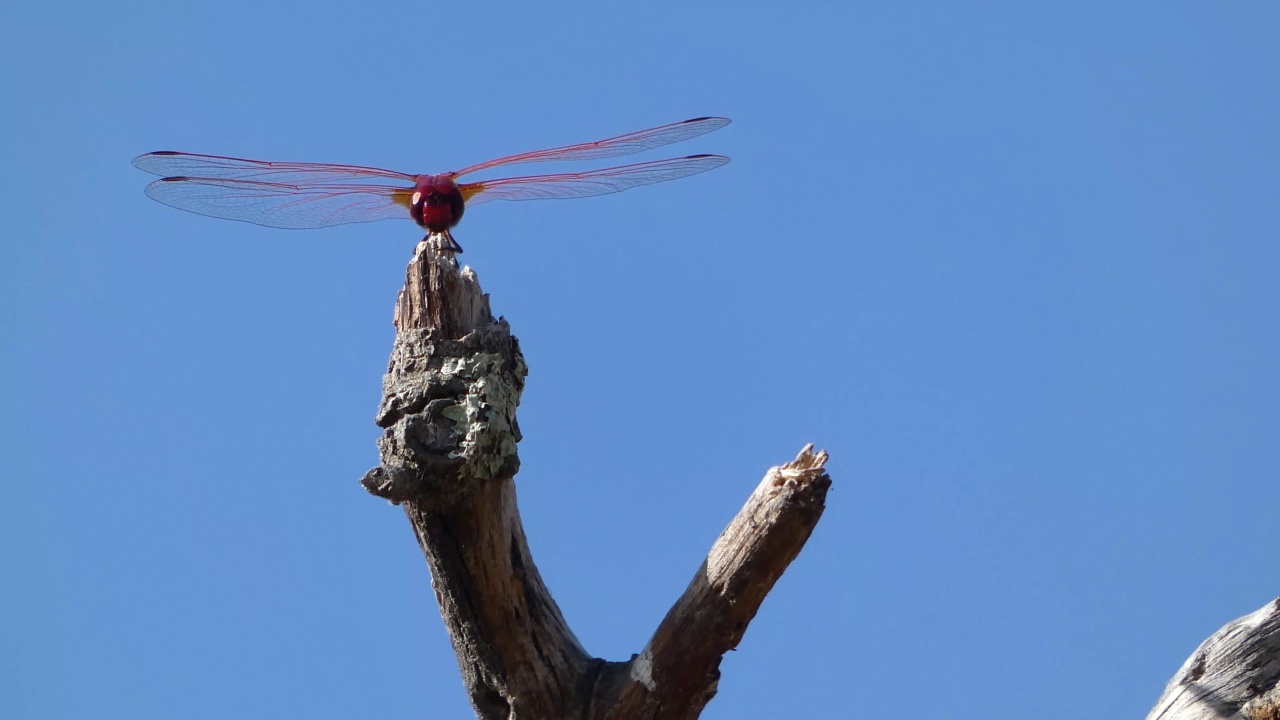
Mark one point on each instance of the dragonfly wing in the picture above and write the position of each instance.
(178, 164)
(280, 205)
(587, 184)
(612, 147)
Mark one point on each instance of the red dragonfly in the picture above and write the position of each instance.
(313, 195)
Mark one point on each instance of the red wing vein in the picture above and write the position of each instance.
(176, 164)
(280, 205)
(612, 147)
(587, 184)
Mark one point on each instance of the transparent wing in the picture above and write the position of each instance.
(178, 164)
(612, 147)
(586, 184)
(280, 205)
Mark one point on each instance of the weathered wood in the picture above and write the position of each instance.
(1233, 674)
(450, 393)
(448, 454)
(679, 670)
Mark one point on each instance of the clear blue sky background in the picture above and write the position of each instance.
(1014, 267)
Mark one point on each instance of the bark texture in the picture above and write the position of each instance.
(448, 456)
(1233, 674)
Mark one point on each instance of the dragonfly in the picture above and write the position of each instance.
(314, 195)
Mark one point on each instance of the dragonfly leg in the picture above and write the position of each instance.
(455, 247)
(443, 242)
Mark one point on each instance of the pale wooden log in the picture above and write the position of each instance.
(448, 455)
(1233, 674)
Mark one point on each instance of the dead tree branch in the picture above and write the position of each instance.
(1233, 674)
(448, 455)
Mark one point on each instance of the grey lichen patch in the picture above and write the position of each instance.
(485, 418)
(448, 413)
(456, 413)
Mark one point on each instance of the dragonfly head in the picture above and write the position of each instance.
(436, 203)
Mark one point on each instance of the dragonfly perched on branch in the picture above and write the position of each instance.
(313, 195)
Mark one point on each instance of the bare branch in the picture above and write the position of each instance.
(448, 454)
(678, 670)
(1233, 674)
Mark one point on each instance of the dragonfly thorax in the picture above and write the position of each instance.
(436, 203)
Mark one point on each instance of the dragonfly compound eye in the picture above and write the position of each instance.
(436, 203)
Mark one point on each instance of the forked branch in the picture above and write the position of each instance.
(448, 455)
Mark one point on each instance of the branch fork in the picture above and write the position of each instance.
(448, 457)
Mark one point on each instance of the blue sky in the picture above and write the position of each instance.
(1013, 266)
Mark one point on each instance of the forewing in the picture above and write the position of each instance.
(612, 147)
(178, 164)
(586, 184)
(280, 205)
